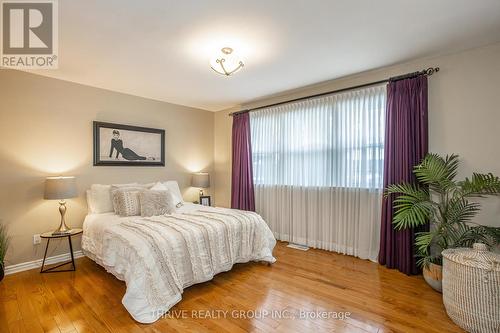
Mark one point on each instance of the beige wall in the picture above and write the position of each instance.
(46, 129)
(464, 115)
(222, 159)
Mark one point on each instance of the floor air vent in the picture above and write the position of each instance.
(298, 247)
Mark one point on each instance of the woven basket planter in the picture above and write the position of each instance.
(471, 288)
(433, 275)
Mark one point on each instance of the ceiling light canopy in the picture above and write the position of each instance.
(226, 62)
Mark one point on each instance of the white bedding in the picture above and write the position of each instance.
(158, 257)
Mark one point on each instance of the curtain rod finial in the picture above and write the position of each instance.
(431, 70)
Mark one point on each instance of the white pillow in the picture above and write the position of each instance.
(173, 187)
(90, 209)
(127, 185)
(159, 187)
(100, 199)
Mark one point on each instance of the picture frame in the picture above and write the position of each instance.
(205, 200)
(126, 145)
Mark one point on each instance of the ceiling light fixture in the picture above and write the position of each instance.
(226, 63)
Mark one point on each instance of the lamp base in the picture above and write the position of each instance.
(63, 228)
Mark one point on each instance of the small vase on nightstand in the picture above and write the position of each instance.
(2, 272)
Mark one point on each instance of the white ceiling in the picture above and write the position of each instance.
(161, 49)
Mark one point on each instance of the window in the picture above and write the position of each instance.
(331, 141)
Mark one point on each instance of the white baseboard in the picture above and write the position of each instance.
(24, 266)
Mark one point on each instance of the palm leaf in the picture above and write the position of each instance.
(460, 210)
(492, 232)
(483, 234)
(453, 233)
(479, 185)
(412, 206)
(425, 261)
(423, 241)
(403, 188)
(437, 172)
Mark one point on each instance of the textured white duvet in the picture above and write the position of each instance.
(159, 256)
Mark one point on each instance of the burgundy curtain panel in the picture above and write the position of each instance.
(242, 191)
(406, 143)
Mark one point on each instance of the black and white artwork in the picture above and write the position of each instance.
(205, 200)
(125, 145)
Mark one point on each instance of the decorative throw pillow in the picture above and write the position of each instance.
(126, 201)
(154, 203)
(125, 187)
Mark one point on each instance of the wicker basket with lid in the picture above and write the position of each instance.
(471, 288)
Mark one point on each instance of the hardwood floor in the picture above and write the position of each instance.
(89, 300)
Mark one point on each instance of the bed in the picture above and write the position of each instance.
(159, 256)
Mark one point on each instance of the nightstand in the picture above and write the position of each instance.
(49, 236)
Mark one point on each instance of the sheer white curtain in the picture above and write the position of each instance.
(318, 168)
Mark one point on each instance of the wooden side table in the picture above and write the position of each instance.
(49, 236)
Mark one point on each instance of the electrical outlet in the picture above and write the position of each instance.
(36, 239)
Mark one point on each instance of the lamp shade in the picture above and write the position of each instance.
(60, 188)
(201, 180)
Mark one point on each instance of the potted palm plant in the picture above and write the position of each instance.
(444, 202)
(4, 244)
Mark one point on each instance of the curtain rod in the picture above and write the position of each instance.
(429, 71)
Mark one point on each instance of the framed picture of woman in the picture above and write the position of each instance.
(125, 145)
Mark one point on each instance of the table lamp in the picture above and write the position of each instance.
(60, 188)
(200, 180)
